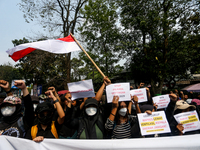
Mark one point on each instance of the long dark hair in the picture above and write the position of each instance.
(118, 115)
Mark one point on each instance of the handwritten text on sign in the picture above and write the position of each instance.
(190, 120)
(81, 89)
(120, 89)
(140, 93)
(156, 123)
(162, 101)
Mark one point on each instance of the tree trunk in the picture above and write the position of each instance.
(157, 89)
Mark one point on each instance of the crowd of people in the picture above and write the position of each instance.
(58, 116)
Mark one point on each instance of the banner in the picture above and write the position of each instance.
(164, 143)
(162, 101)
(140, 93)
(156, 123)
(190, 120)
(81, 89)
(120, 89)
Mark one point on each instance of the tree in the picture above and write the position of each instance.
(161, 43)
(9, 73)
(55, 16)
(101, 35)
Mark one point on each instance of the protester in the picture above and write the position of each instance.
(47, 128)
(72, 109)
(177, 128)
(119, 121)
(90, 125)
(13, 122)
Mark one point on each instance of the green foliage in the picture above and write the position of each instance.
(9, 73)
(101, 35)
(163, 32)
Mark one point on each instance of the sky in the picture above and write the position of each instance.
(12, 26)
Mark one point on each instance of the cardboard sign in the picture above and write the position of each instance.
(81, 89)
(190, 120)
(162, 101)
(140, 93)
(120, 89)
(156, 123)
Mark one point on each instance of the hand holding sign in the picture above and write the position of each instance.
(115, 101)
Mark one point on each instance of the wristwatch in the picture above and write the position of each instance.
(55, 101)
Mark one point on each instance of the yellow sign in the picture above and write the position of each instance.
(152, 123)
(157, 118)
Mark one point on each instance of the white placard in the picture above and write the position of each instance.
(120, 89)
(81, 89)
(156, 123)
(162, 101)
(190, 120)
(140, 93)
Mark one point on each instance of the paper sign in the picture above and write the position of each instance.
(156, 123)
(190, 120)
(120, 89)
(162, 101)
(81, 89)
(140, 93)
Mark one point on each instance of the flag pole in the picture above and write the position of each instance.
(88, 56)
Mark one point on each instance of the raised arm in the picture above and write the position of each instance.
(54, 93)
(106, 81)
(135, 100)
(61, 114)
(29, 112)
(5, 85)
(115, 105)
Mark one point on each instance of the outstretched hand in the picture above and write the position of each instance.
(115, 103)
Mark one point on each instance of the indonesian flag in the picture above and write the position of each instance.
(58, 46)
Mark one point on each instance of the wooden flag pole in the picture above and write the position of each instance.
(88, 56)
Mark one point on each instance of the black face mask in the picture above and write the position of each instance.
(45, 120)
(142, 86)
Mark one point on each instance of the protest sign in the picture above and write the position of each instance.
(190, 120)
(156, 123)
(162, 101)
(140, 93)
(120, 89)
(81, 89)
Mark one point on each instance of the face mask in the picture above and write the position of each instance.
(123, 111)
(45, 120)
(34, 106)
(8, 110)
(91, 111)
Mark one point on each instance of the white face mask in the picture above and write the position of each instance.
(91, 111)
(8, 110)
(123, 111)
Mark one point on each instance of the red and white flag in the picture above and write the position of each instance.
(58, 46)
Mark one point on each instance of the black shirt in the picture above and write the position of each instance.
(20, 123)
(45, 133)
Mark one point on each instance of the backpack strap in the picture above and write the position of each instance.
(34, 130)
(53, 130)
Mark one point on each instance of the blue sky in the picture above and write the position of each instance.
(12, 26)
